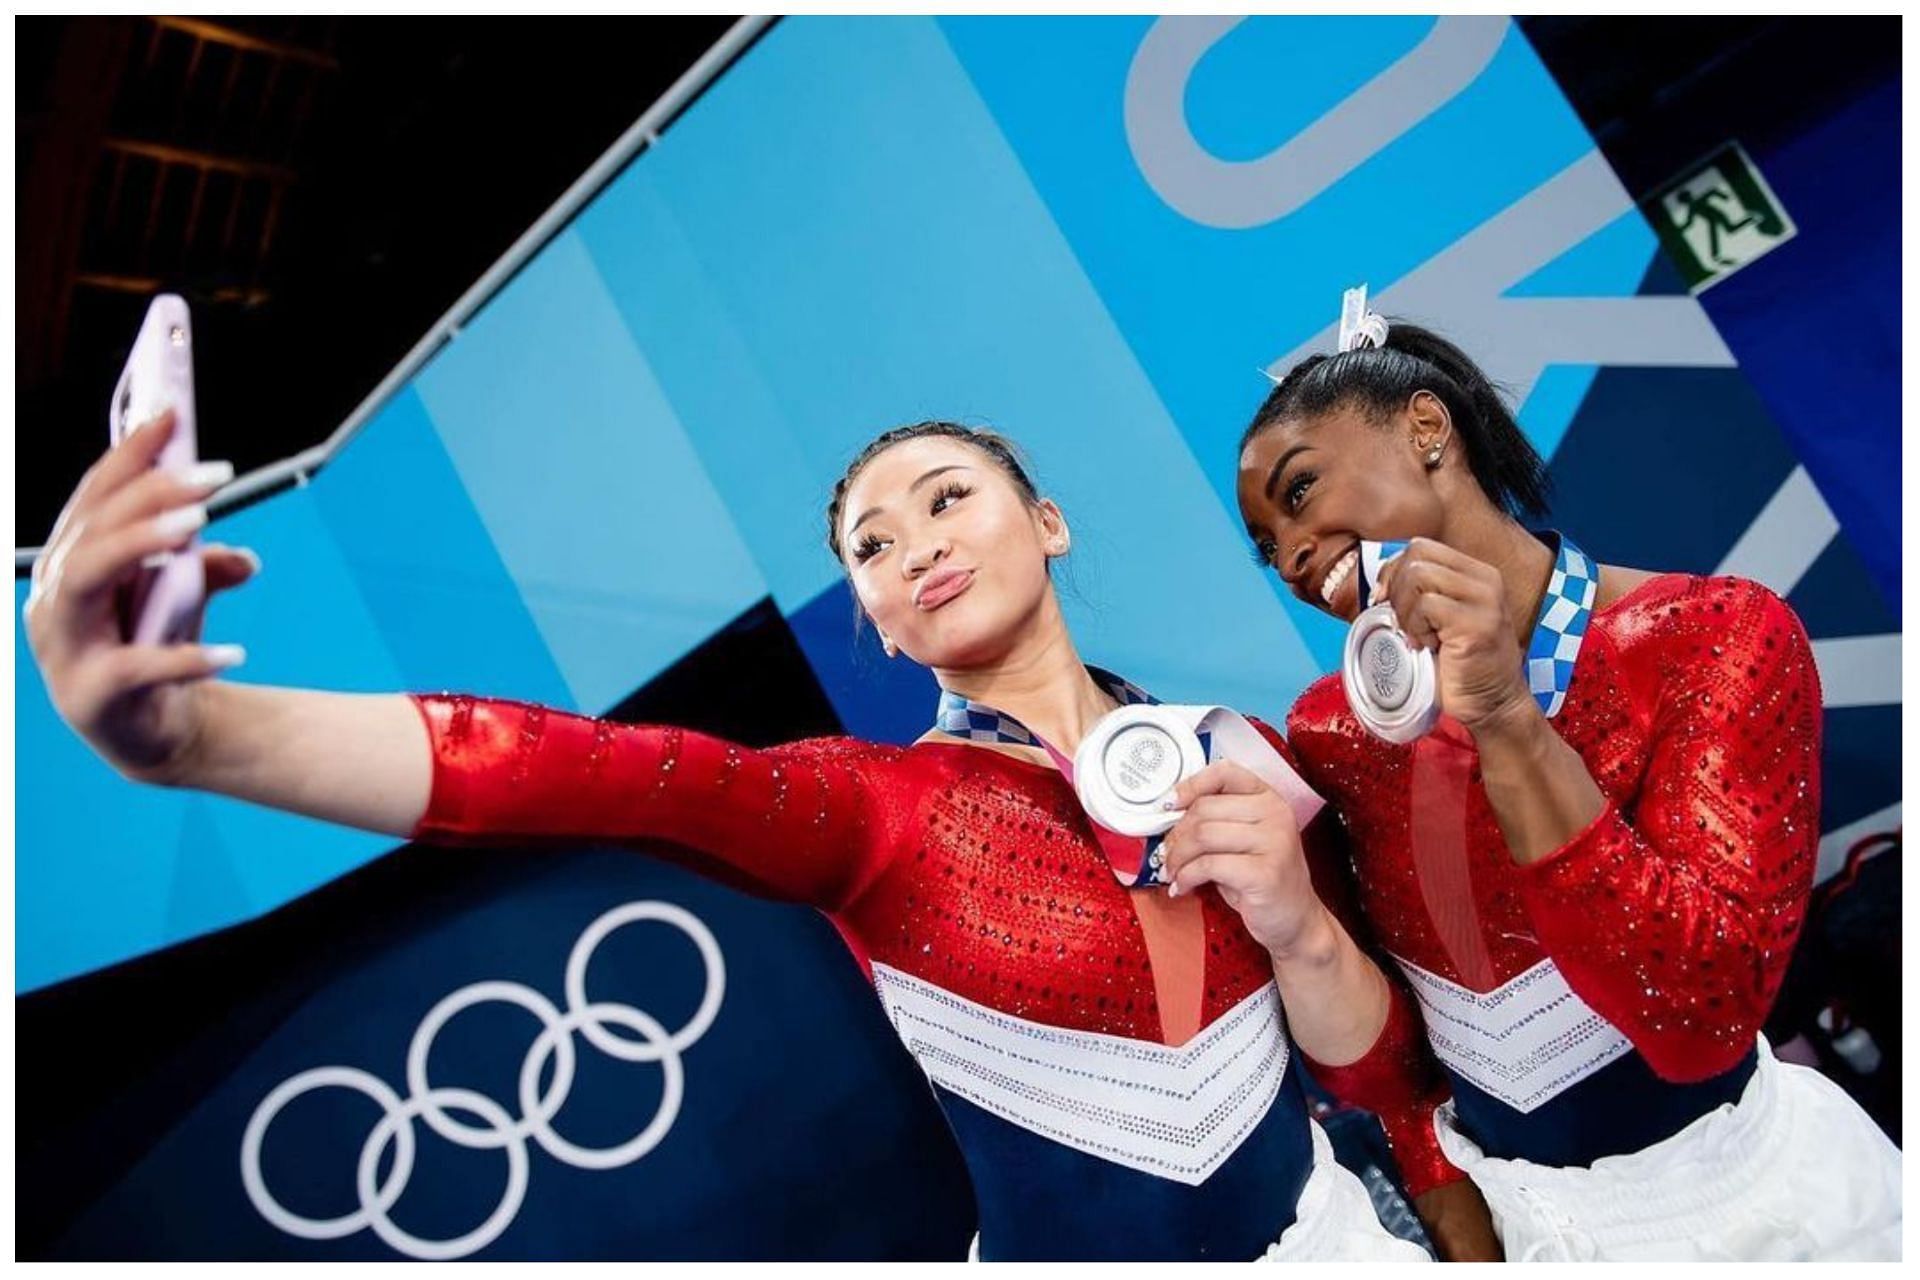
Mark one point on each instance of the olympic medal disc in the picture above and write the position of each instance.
(1128, 765)
(1390, 684)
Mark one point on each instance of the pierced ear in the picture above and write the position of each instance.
(1056, 537)
(891, 649)
(1430, 426)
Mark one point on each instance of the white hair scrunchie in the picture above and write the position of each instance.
(1360, 327)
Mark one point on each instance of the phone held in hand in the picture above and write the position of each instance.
(163, 603)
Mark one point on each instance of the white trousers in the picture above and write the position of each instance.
(1334, 1221)
(1794, 1171)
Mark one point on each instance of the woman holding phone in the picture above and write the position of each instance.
(1116, 1058)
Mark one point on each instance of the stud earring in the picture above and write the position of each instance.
(1433, 458)
(891, 649)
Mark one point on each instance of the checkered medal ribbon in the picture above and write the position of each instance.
(978, 722)
(1560, 628)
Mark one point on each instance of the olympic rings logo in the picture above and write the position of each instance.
(497, 1129)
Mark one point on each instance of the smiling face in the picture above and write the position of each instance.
(947, 555)
(1311, 488)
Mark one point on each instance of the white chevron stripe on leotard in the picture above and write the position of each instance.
(1175, 1112)
(1525, 1042)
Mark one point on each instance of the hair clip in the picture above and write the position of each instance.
(1359, 327)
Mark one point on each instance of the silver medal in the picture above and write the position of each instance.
(1391, 685)
(1130, 763)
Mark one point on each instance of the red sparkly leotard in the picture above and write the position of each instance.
(972, 888)
(1600, 999)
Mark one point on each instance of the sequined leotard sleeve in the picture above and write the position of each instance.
(1675, 919)
(1397, 1078)
(794, 822)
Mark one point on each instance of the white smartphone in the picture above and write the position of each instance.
(165, 600)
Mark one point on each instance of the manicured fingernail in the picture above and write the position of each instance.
(222, 656)
(180, 521)
(207, 475)
(1173, 890)
(253, 561)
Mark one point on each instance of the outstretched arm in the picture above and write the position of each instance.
(790, 822)
(796, 822)
(361, 760)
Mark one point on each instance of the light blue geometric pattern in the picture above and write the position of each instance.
(585, 479)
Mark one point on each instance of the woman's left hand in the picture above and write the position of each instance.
(1451, 603)
(1238, 834)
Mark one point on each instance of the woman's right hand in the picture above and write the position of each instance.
(136, 705)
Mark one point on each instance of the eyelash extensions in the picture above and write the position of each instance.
(950, 492)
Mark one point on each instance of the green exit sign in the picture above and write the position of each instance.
(1717, 216)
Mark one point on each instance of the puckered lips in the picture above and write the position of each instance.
(940, 586)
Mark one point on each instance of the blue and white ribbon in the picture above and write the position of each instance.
(977, 722)
(1562, 627)
(1559, 630)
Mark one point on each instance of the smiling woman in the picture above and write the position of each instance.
(1445, 400)
(1117, 1063)
(1593, 870)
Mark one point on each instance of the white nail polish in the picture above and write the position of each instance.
(144, 423)
(208, 475)
(222, 656)
(253, 560)
(1173, 890)
(180, 521)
